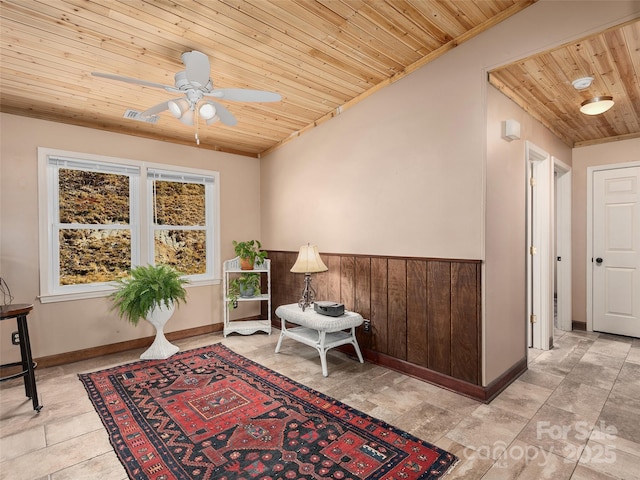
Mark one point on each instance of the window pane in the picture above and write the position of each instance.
(185, 250)
(178, 203)
(92, 197)
(90, 255)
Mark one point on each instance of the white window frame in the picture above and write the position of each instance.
(141, 218)
(210, 184)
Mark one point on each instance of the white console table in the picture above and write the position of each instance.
(319, 331)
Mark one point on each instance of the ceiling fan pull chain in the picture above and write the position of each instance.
(197, 120)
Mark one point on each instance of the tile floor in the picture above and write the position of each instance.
(575, 414)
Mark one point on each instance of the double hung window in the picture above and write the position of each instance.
(100, 216)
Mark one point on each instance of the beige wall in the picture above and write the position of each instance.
(73, 325)
(505, 254)
(377, 178)
(583, 158)
(403, 172)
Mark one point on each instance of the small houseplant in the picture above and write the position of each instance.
(151, 292)
(246, 285)
(249, 253)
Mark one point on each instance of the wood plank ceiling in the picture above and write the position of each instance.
(322, 56)
(543, 85)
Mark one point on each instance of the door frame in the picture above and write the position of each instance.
(539, 235)
(589, 259)
(562, 201)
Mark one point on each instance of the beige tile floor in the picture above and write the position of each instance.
(575, 414)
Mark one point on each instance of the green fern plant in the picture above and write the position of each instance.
(146, 287)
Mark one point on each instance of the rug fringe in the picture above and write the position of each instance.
(452, 466)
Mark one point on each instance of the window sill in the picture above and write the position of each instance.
(105, 292)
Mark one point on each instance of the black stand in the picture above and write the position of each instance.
(20, 312)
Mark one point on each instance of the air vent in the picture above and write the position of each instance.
(135, 115)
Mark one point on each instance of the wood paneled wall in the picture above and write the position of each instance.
(423, 312)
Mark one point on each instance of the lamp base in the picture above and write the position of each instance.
(308, 294)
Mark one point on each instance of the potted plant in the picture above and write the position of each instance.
(246, 285)
(249, 253)
(151, 292)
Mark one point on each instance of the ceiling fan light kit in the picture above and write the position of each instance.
(194, 83)
(597, 105)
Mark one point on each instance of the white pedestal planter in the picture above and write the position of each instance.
(161, 348)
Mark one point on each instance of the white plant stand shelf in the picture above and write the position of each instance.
(161, 348)
(246, 327)
(319, 331)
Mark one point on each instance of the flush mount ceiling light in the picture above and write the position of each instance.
(596, 105)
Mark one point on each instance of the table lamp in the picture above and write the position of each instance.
(308, 262)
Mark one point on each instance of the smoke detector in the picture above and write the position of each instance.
(582, 83)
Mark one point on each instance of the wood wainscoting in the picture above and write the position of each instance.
(424, 313)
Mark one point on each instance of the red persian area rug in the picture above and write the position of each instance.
(210, 413)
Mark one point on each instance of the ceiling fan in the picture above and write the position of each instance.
(198, 91)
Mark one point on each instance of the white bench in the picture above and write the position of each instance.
(319, 331)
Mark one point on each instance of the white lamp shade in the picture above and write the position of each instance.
(178, 107)
(187, 117)
(207, 111)
(309, 261)
(597, 105)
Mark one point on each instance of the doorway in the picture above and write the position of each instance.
(613, 249)
(562, 277)
(540, 247)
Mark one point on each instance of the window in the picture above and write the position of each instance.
(100, 216)
(180, 216)
(91, 231)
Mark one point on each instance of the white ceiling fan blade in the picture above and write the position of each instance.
(198, 68)
(223, 114)
(161, 107)
(135, 81)
(244, 95)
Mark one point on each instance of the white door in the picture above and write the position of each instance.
(616, 251)
(540, 248)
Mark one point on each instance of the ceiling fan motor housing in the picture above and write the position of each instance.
(181, 80)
